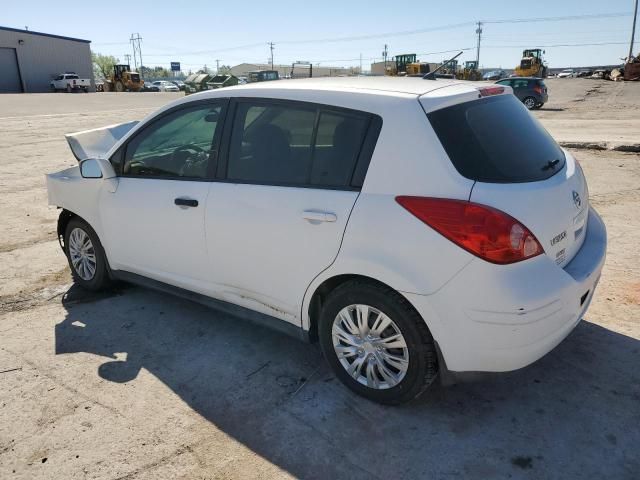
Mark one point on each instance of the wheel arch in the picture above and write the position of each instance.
(63, 220)
(313, 302)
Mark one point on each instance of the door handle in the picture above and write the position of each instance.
(186, 202)
(317, 216)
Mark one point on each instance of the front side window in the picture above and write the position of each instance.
(298, 145)
(180, 144)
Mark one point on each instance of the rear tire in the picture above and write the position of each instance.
(530, 103)
(383, 370)
(119, 86)
(86, 256)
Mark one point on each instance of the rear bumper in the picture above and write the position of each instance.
(492, 318)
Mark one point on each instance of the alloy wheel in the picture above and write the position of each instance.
(370, 346)
(82, 254)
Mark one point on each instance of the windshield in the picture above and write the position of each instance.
(497, 140)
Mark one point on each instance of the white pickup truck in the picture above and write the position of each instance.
(68, 82)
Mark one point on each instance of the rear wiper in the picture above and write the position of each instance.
(551, 164)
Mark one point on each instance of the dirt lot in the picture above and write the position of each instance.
(133, 384)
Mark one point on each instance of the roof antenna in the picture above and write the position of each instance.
(432, 75)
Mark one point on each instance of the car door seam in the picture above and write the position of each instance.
(344, 230)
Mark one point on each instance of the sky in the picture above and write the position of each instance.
(199, 32)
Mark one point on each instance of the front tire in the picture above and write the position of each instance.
(86, 256)
(376, 343)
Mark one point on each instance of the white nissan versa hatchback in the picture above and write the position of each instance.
(413, 227)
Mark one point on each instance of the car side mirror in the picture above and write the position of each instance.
(90, 168)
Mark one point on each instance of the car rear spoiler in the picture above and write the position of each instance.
(96, 143)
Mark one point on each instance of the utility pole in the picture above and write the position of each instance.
(217, 66)
(479, 32)
(633, 30)
(360, 72)
(384, 55)
(271, 45)
(137, 51)
(127, 57)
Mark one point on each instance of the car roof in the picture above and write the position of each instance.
(408, 85)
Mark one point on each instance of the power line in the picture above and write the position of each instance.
(590, 16)
(378, 35)
(205, 52)
(557, 45)
(404, 32)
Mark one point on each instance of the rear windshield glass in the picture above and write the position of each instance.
(497, 140)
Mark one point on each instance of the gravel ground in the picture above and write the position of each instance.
(134, 384)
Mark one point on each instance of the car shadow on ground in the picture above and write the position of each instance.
(574, 414)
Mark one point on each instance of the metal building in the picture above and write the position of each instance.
(284, 70)
(29, 60)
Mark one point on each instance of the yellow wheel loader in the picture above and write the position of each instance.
(123, 80)
(532, 64)
(470, 72)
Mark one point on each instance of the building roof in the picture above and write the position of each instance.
(50, 35)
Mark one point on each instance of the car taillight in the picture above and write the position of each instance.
(481, 230)
(488, 91)
(537, 89)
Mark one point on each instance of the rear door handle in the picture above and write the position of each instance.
(186, 202)
(317, 216)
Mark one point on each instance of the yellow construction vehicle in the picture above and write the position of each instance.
(408, 65)
(123, 80)
(470, 72)
(532, 64)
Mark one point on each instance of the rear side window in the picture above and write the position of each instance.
(497, 140)
(295, 144)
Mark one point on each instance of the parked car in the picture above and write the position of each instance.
(165, 86)
(531, 91)
(288, 204)
(69, 82)
(494, 75)
(149, 87)
(180, 84)
(567, 73)
(601, 74)
(585, 73)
